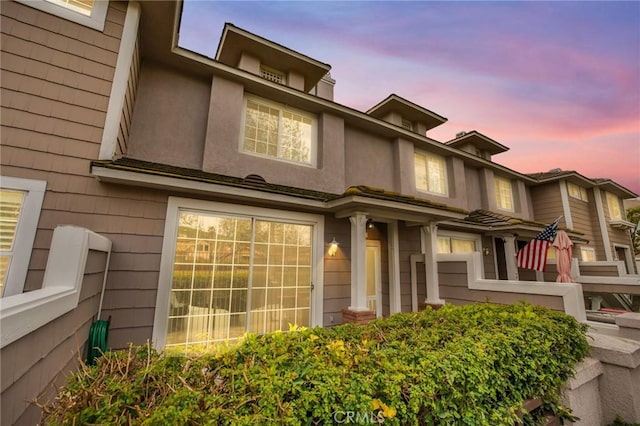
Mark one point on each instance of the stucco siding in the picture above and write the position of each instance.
(369, 159)
(170, 118)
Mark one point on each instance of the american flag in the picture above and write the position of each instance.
(534, 254)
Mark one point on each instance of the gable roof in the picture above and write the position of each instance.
(609, 185)
(407, 109)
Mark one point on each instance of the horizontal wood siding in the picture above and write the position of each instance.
(56, 80)
(409, 243)
(585, 219)
(129, 101)
(35, 365)
(337, 271)
(454, 289)
(547, 203)
(598, 270)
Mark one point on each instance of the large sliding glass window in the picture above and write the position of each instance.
(235, 274)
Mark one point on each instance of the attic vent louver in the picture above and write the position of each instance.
(254, 180)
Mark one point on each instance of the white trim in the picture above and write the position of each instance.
(358, 301)
(175, 204)
(95, 20)
(429, 245)
(603, 224)
(313, 160)
(571, 293)
(395, 305)
(375, 246)
(26, 230)
(23, 313)
(120, 82)
(566, 208)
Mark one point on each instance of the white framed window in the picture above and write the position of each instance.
(229, 269)
(20, 205)
(430, 173)
(455, 242)
(577, 191)
(587, 254)
(504, 193)
(615, 207)
(277, 131)
(90, 13)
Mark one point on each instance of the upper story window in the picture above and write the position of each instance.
(615, 209)
(20, 204)
(431, 173)
(504, 193)
(273, 75)
(90, 13)
(576, 191)
(273, 130)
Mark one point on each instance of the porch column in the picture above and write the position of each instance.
(394, 267)
(510, 250)
(430, 250)
(358, 312)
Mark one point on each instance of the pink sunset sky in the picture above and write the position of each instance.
(556, 82)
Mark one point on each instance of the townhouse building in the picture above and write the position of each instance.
(237, 194)
(223, 181)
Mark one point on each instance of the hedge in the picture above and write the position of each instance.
(471, 365)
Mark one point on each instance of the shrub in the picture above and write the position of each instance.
(474, 365)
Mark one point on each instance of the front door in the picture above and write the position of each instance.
(374, 283)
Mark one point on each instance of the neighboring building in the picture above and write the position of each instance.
(222, 182)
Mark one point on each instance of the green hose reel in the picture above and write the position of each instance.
(98, 340)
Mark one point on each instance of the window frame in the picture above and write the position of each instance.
(176, 204)
(614, 198)
(460, 236)
(96, 19)
(445, 178)
(313, 160)
(497, 180)
(581, 192)
(589, 250)
(25, 230)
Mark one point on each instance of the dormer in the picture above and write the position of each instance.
(478, 144)
(406, 114)
(241, 49)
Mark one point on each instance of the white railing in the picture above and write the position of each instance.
(23, 313)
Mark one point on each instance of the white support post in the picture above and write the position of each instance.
(430, 250)
(510, 250)
(358, 262)
(394, 267)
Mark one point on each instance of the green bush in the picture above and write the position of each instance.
(473, 365)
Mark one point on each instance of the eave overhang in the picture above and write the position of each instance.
(234, 41)
(480, 141)
(408, 110)
(377, 203)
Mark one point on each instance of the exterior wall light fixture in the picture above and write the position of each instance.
(333, 247)
(486, 251)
